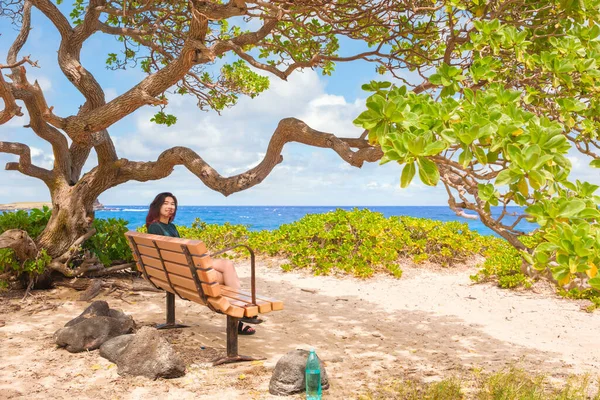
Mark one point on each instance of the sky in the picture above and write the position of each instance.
(232, 142)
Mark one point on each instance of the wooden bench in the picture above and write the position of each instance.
(183, 267)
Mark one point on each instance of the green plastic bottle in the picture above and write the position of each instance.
(313, 377)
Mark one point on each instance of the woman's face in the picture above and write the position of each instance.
(168, 208)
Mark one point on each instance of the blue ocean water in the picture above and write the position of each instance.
(271, 217)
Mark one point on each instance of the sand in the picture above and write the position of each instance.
(428, 325)
(24, 205)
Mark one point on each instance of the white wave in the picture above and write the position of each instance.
(134, 210)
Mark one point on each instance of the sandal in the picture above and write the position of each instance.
(252, 320)
(245, 330)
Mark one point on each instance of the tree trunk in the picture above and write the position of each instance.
(72, 216)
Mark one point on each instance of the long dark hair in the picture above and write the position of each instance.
(154, 210)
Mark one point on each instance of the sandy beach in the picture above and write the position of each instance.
(428, 325)
(24, 205)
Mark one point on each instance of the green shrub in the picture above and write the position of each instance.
(216, 237)
(508, 384)
(361, 242)
(33, 222)
(109, 243)
(503, 264)
(8, 262)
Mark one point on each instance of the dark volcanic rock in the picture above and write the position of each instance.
(94, 326)
(288, 377)
(113, 348)
(146, 353)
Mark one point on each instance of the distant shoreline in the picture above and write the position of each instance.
(24, 205)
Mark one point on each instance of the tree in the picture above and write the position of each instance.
(179, 44)
(510, 88)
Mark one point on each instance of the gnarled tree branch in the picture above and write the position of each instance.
(288, 130)
(24, 165)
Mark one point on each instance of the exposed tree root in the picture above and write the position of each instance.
(93, 287)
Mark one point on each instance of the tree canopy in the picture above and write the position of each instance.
(512, 89)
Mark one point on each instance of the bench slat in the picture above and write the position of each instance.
(206, 276)
(263, 306)
(186, 293)
(276, 305)
(196, 247)
(212, 289)
(220, 303)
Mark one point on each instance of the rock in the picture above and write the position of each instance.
(98, 308)
(288, 377)
(97, 205)
(96, 324)
(146, 353)
(113, 348)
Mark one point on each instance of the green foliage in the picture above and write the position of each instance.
(215, 236)
(361, 242)
(514, 384)
(161, 118)
(503, 264)
(33, 222)
(109, 243)
(8, 262)
(504, 108)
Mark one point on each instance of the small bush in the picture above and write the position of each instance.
(503, 264)
(33, 222)
(109, 243)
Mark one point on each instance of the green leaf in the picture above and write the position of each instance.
(595, 283)
(536, 179)
(480, 155)
(416, 145)
(428, 171)
(465, 157)
(504, 177)
(376, 103)
(571, 208)
(433, 149)
(408, 173)
(595, 163)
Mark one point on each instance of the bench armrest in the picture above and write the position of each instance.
(252, 266)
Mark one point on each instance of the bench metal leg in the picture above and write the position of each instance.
(232, 345)
(170, 324)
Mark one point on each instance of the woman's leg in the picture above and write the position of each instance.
(227, 274)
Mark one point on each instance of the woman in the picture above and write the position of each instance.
(159, 221)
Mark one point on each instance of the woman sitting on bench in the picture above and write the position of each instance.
(159, 221)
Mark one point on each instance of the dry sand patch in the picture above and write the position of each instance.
(427, 325)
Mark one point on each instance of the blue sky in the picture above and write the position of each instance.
(232, 142)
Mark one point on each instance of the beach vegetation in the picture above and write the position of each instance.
(512, 383)
(362, 242)
(109, 244)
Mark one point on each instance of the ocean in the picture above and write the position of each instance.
(271, 217)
